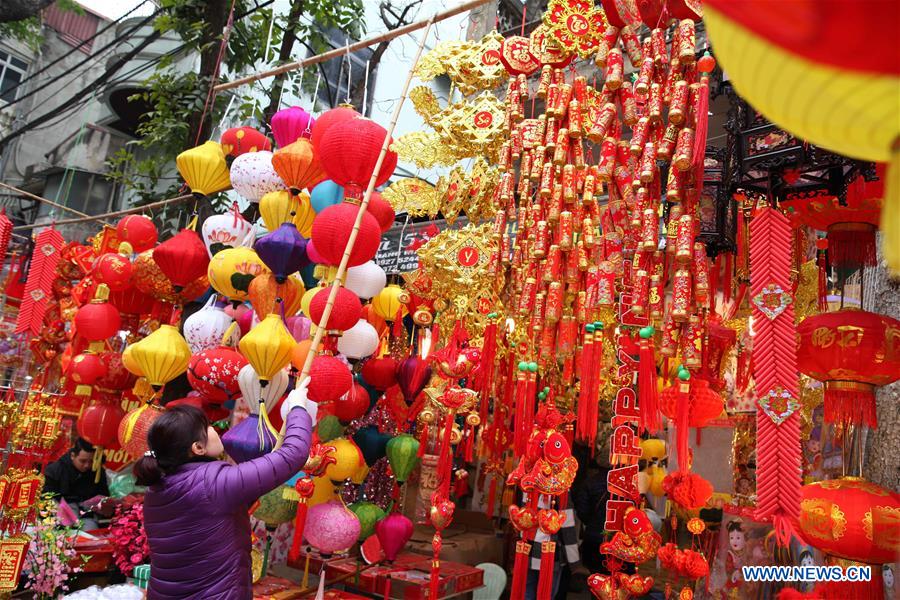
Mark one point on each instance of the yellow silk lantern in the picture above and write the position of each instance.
(303, 220)
(231, 271)
(276, 208)
(204, 169)
(268, 347)
(161, 356)
(322, 492)
(129, 363)
(347, 460)
(387, 302)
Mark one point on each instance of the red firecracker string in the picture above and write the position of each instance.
(39, 285)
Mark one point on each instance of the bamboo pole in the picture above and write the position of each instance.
(351, 241)
(43, 200)
(117, 213)
(338, 52)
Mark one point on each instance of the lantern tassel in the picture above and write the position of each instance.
(423, 440)
(823, 281)
(299, 524)
(700, 132)
(681, 426)
(435, 575)
(492, 498)
(520, 569)
(850, 402)
(648, 388)
(852, 245)
(545, 578)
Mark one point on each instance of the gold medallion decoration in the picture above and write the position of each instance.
(576, 25)
(822, 519)
(516, 56)
(547, 50)
(416, 197)
(471, 65)
(886, 519)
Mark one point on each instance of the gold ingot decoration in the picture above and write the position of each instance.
(416, 197)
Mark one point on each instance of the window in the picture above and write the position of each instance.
(333, 88)
(12, 72)
(73, 28)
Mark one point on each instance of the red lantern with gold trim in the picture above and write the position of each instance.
(85, 370)
(137, 230)
(851, 352)
(99, 424)
(240, 140)
(114, 270)
(851, 518)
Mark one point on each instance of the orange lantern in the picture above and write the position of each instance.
(851, 518)
(851, 352)
(298, 166)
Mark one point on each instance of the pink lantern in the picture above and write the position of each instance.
(299, 327)
(393, 532)
(291, 124)
(331, 527)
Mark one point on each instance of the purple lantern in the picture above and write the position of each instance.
(247, 440)
(291, 124)
(283, 251)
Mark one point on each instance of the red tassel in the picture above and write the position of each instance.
(648, 399)
(545, 579)
(823, 281)
(520, 413)
(387, 587)
(299, 524)
(681, 425)
(484, 376)
(423, 439)
(584, 397)
(397, 329)
(435, 576)
(492, 497)
(852, 245)
(520, 569)
(850, 402)
(700, 132)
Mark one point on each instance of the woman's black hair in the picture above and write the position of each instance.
(170, 439)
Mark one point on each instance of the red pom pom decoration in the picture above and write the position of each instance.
(182, 258)
(137, 230)
(344, 314)
(687, 489)
(329, 379)
(331, 230)
(381, 209)
(380, 373)
(352, 405)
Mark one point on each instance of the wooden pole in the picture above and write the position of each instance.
(117, 213)
(338, 52)
(351, 241)
(42, 200)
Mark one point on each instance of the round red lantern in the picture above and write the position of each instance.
(117, 377)
(182, 258)
(114, 270)
(329, 379)
(328, 119)
(99, 424)
(133, 429)
(851, 352)
(214, 373)
(851, 518)
(331, 230)
(344, 314)
(137, 230)
(131, 301)
(380, 373)
(85, 370)
(349, 151)
(381, 209)
(353, 404)
(98, 320)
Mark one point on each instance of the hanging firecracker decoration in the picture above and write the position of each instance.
(6, 227)
(39, 286)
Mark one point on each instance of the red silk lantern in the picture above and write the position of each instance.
(328, 119)
(851, 518)
(344, 314)
(331, 230)
(352, 405)
(214, 373)
(114, 270)
(85, 370)
(99, 424)
(98, 320)
(329, 379)
(240, 140)
(133, 429)
(182, 258)
(381, 209)
(137, 230)
(380, 373)
(298, 166)
(851, 352)
(349, 151)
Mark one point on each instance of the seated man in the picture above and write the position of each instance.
(72, 479)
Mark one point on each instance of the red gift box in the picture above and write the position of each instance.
(275, 588)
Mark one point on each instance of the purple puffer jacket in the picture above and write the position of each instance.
(197, 522)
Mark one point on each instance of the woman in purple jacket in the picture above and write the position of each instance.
(196, 508)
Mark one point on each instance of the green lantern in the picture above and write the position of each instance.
(329, 428)
(368, 514)
(277, 507)
(403, 454)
